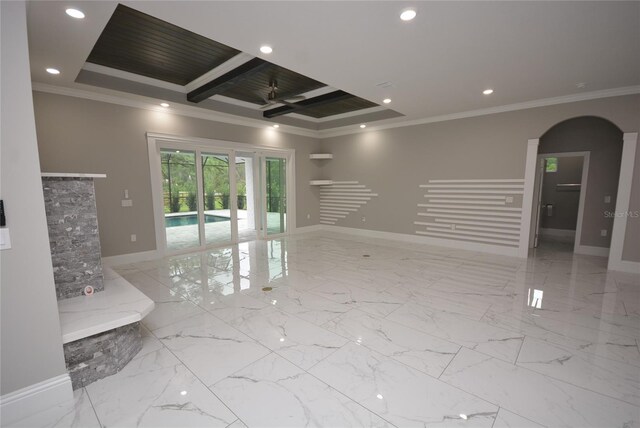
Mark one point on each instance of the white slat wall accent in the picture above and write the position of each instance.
(472, 210)
(342, 198)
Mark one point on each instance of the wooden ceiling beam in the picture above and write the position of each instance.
(331, 97)
(227, 80)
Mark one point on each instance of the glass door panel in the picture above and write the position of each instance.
(216, 185)
(180, 194)
(276, 195)
(246, 175)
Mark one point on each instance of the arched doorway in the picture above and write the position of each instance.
(604, 144)
(577, 184)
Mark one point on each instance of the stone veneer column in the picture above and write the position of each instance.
(72, 219)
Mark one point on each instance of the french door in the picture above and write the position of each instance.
(215, 195)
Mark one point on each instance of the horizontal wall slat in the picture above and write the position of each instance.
(469, 238)
(466, 202)
(470, 191)
(359, 198)
(335, 205)
(482, 180)
(330, 194)
(472, 186)
(511, 209)
(322, 212)
(345, 182)
(487, 213)
(329, 189)
(496, 197)
(346, 186)
(468, 217)
(471, 233)
(488, 229)
(337, 209)
(480, 223)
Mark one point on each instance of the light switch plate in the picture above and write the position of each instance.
(603, 232)
(127, 203)
(509, 199)
(607, 199)
(5, 239)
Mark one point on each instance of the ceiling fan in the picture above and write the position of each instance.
(272, 96)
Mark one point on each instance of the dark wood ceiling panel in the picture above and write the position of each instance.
(338, 107)
(256, 88)
(138, 43)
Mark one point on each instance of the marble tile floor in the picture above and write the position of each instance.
(373, 333)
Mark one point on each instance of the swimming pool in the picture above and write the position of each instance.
(190, 219)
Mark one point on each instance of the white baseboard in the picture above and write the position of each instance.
(558, 232)
(625, 266)
(592, 251)
(35, 398)
(448, 243)
(124, 259)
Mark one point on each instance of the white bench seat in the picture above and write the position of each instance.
(119, 304)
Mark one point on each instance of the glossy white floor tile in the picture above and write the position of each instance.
(336, 331)
(400, 394)
(540, 398)
(272, 392)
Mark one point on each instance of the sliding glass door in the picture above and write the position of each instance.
(180, 199)
(276, 195)
(215, 196)
(216, 185)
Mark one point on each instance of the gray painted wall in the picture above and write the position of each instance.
(31, 350)
(393, 162)
(78, 135)
(604, 140)
(564, 213)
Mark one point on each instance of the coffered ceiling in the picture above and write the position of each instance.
(437, 64)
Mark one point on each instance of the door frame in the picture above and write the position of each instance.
(623, 198)
(577, 248)
(157, 140)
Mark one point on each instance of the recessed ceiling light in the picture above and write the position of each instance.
(165, 105)
(266, 49)
(488, 91)
(386, 100)
(276, 126)
(75, 13)
(408, 14)
(581, 85)
(463, 416)
(53, 71)
(363, 126)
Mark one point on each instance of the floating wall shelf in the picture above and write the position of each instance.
(321, 182)
(321, 156)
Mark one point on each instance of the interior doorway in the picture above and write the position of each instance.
(214, 193)
(560, 195)
(600, 143)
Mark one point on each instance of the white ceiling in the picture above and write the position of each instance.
(438, 64)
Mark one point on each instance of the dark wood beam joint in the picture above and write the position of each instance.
(320, 100)
(227, 80)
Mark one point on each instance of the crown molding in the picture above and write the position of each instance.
(146, 103)
(606, 93)
(137, 101)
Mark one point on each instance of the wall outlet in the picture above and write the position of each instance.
(134, 238)
(509, 199)
(607, 199)
(127, 203)
(5, 239)
(364, 219)
(603, 232)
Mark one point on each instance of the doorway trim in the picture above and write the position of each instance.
(155, 140)
(586, 155)
(630, 141)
